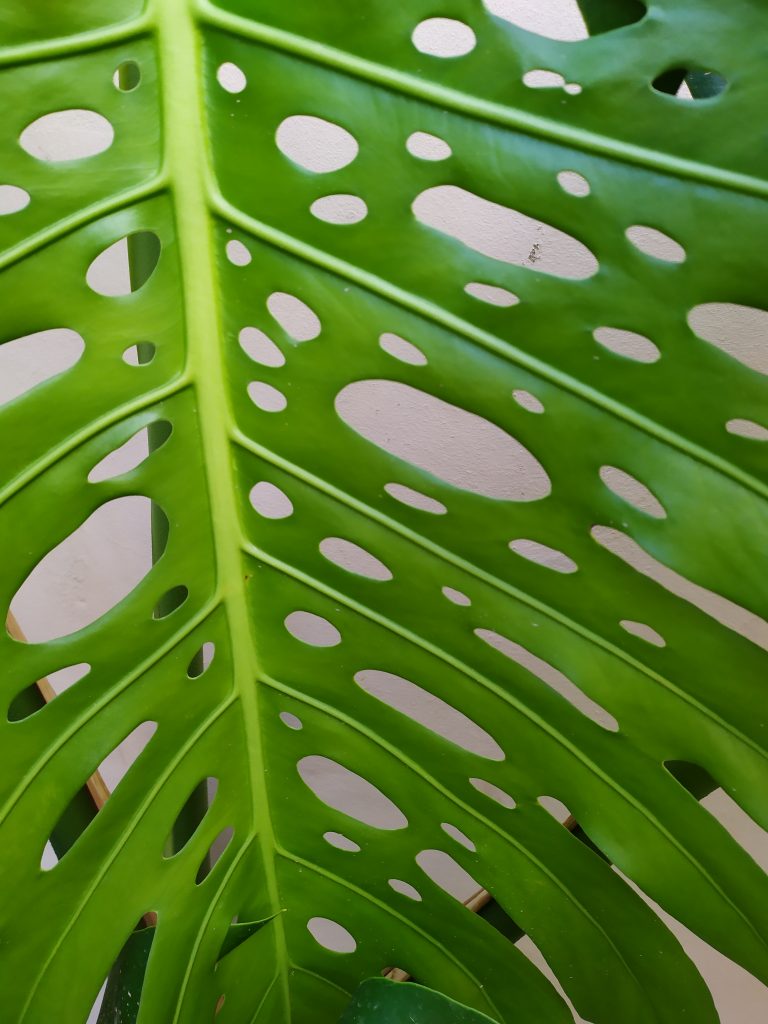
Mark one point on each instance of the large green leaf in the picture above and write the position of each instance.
(198, 166)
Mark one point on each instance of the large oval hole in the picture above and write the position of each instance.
(67, 135)
(503, 233)
(455, 445)
(444, 37)
(316, 144)
(89, 572)
(741, 331)
(430, 711)
(345, 791)
(31, 360)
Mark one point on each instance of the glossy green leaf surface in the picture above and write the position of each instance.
(386, 1002)
(564, 701)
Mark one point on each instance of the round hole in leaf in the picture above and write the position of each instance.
(127, 76)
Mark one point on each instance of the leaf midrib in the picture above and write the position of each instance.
(186, 160)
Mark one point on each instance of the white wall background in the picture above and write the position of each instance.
(107, 557)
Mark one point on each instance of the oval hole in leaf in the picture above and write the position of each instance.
(747, 428)
(350, 793)
(131, 453)
(85, 560)
(269, 501)
(341, 208)
(312, 629)
(573, 183)
(689, 84)
(331, 935)
(72, 134)
(401, 349)
(341, 842)
(13, 199)
(127, 76)
(214, 854)
(725, 611)
(315, 144)
(627, 344)
(230, 77)
(539, 78)
(503, 233)
(493, 792)
(260, 348)
(405, 889)
(643, 632)
(544, 555)
(528, 401)
(444, 37)
(191, 815)
(491, 294)
(354, 559)
(551, 676)
(29, 361)
(456, 597)
(30, 700)
(291, 721)
(655, 243)
(429, 711)
(421, 502)
(741, 331)
(425, 146)
(110, 273)
(294, 316)
(632, 491)
(201, 662)
(458, 836)
(238, 253)
(413, 425)
(448, 874)
(266, 397)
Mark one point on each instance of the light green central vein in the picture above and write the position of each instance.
(186, 160)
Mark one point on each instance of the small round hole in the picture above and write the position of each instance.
(141, 354)
(127, 76)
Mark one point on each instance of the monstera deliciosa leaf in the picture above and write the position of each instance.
(397, 658)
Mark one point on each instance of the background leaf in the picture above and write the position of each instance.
(378, 1001)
